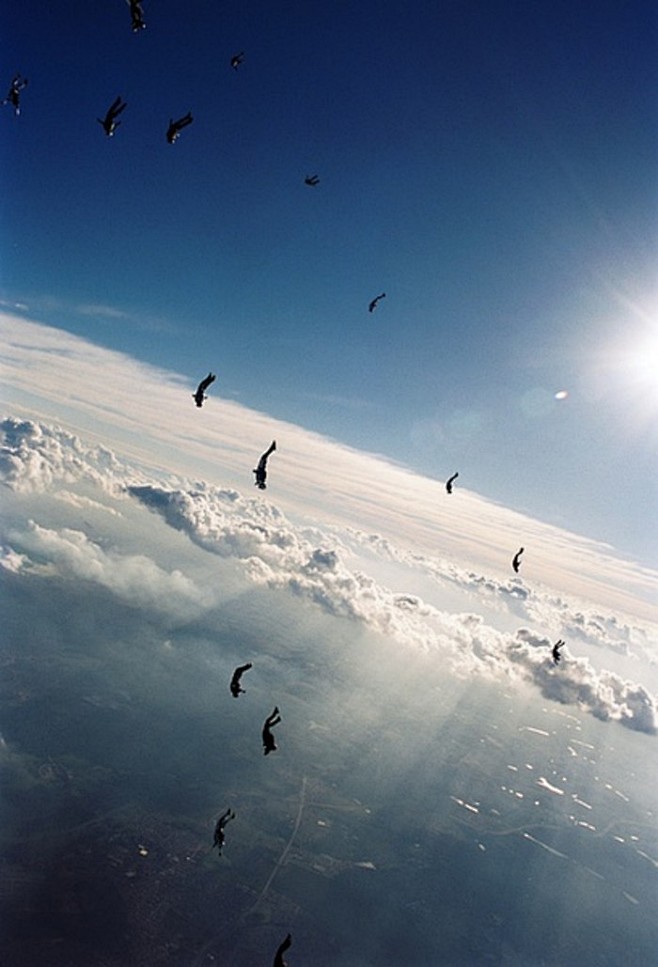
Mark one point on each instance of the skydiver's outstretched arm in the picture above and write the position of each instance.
(116, 107)
(270, 450)
(278, 957)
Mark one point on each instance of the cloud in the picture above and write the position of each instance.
(136, 579)
(574, 681)
(33, 456)
(565, 615)
(12, 561)
(279, 556)
(85, 503)
(147, 415)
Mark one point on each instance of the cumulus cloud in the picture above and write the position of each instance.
(34, 456)
(565, 615)
(309, 562)
(278, 556)
(12, 561)
(136, 579)
(574, 681)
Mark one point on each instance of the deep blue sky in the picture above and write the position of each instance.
(490, 166)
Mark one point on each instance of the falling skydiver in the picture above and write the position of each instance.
(137, 14)
(13, 97)
(373, 305)
(517, 560)
(200, 396)
(175, 127)
(311, 180)
(109, 123)
(269, 745)
(237, 59)
(235, 686)
(278, 957)
(555, 650)
(261, 469)
(450, 482)
(218, 839)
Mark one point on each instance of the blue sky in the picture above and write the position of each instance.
(491, 167)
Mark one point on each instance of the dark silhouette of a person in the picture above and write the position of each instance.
(200, 396)
(18, 84)
(373, 305)
(235, 686)
(175, 127)
(219, 837)
(311, 180)
(555, 650)
(269, 745)
(278, 957)
(261, 469)
(137, 14)
(237, 59)
(109, 123)
(516, 560)
(450, 482)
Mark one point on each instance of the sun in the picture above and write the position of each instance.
(628, 362)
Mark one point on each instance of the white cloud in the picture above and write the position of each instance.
(147, 414)
(574, 681)
(136, 579)
(279, 556)
(34, 456)
(11, 560)
(85, 503)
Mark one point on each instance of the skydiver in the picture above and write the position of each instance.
(218, 839)
(373, 305)
(517, 560)
(261, 469)
(555, 650)
(109, 123)
(311, 180)
(236, 60)
(237, 675)
(269, 745)
(200, 396)
(137, 14)
(278, 957)
(450, 482)
(175, 127)
(13, 97)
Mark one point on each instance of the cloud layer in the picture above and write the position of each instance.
(281, 557)
(146, 414)
(310, 563)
